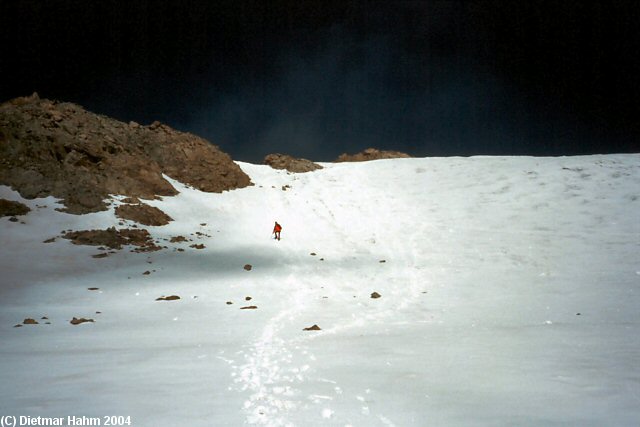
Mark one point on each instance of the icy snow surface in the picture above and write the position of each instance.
(510, 295)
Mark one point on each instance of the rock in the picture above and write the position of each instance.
(312, 328)
(198, 246)
(291, 164)
(29, 321)
(51, 240)
(248, 267)
(146, 273)
(59, 149)
(229, 302)
(93, 289)
(76, 321)
(131, 200)
(102, 255)
(375, 295)
(11, 208)
(13, 219)
(382, 261)
(249, 307)
(178, 239)
(169, 298)
(113, 238)
(247, 298)
(312, 254)
(143, 214)
(370, 154)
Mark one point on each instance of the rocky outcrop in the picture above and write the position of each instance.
(370, 154)
(114, 239)
(60, 149)
(143, 214)
(10, 208)
(284, 161)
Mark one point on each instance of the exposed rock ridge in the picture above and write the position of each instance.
(292, 164)
(371, 154)
(60, 149)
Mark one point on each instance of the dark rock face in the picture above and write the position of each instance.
(370, 154)
(9, 208)
(284, 161)
(60, 149)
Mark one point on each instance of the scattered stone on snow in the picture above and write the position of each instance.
(13, 219)
(29, 321)
(375, 295)
(51, 240)
(146, 273)
(312, 328)
(198, 246)
(229, 302)
(248, 298)
(168, 298)
(102, 255)
(93, 289)
(114, 239)
(312, 254)
(248, 267)
(76, 321)
(249, 307)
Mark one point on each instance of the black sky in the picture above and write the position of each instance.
(318, 78)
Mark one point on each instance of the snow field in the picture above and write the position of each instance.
(509, 294)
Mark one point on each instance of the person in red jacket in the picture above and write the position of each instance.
(276, 230)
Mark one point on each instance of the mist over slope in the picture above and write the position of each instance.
(508, 293)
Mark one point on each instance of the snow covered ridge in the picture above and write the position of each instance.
(508, 295)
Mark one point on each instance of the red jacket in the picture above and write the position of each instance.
(277, 228)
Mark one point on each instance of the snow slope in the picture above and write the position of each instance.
(510, 295)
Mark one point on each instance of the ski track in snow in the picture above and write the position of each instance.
(274, 364)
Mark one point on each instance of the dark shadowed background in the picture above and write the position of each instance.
(318, 78)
